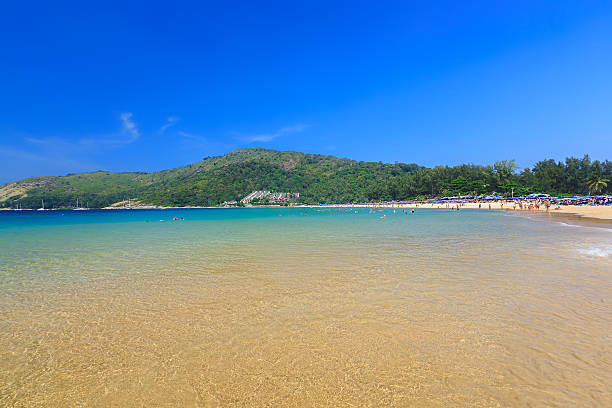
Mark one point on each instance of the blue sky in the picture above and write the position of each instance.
(129, 86)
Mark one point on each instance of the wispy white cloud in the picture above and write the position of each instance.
(44, 142)
(128, 126)
(127, 134)
(40, 157)
(38, 163)
(268, 137)
(57, 155)
(20, 154)
(189, 142)
(191, 136)
(169, 123)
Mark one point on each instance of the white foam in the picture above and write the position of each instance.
(599, 229)
(601, 252)
(571, 225)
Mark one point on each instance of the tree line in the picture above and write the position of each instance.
(318, 179)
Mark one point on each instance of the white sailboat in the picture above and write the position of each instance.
(77, 208)
(43, 205)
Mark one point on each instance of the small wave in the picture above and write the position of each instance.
(601, 252)
(599, 228)
(571, 225)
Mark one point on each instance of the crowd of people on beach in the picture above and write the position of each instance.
(532, 199)
(522, 203)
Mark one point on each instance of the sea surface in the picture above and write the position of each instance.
(303, 307)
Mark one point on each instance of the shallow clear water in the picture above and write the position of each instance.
(303, 307)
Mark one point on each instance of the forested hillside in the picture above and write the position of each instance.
(318, 179)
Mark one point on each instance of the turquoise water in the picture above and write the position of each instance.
(73, 245)
(436, 308)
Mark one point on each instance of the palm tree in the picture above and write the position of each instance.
(596, 182)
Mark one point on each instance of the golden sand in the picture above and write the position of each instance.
(388, 319)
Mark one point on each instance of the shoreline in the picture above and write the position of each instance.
(584, 212)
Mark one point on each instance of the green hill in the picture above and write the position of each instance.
(318, 179)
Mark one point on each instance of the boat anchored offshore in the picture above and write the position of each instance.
(77, 208)
(43, 205)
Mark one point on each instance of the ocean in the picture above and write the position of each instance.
(303, 307)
